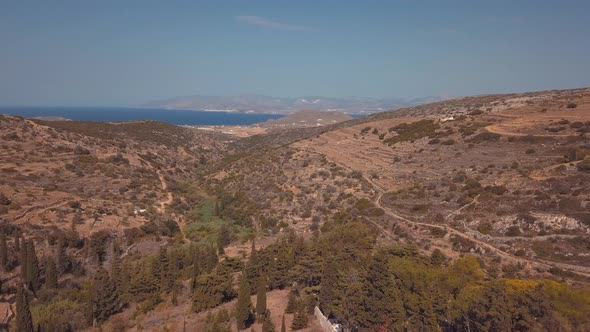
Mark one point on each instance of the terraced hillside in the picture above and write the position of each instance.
(503, 176)
(464, 214)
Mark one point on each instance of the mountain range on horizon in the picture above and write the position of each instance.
(267, 104)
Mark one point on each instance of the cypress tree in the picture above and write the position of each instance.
(283, 327)
(354, 312)
(116, 273)
(3, 252)
(32, 267)
(175, 288)
(23, 262)
(163, 269)
(196, 270)
(60, 255)
(223, 237)
(252, 268)
(172, 269)
(253, 256)
(291, 302)
(143, 284)
(50, 273)
(213, 258)
(383, 298)
(267, 325)
(261, 298)
(279, 273)
(24, 321)
(244, 305)
(300, 320)
(213, 289)
(328, 286)
(17, 242)
(209, 259)
(105, 297)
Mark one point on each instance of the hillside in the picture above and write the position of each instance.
(502, 176)
(424, 218)
(307, 118)
(93, 176)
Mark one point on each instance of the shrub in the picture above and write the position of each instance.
(584, 166)
(513, 231)
(520, 253)
(434, 141)
(438, 232)
(10, 137)
(449, 141)
(485, 228)
(413, 131)
(485, 136)
(572, 105)
(4, 200)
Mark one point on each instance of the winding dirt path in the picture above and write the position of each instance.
(180, 222)
(169, 196)
(41, 208)
(451, 230)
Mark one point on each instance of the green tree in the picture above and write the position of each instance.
(50, 273)
(32, 274)
(213, 289)
(300, 320)
(291, 302)
(252, 267)
(223, 238)
(261, 297)
(143, 284)
(354, 312)
(162, 269)
(244, 305)
(172, 269)
(105, 297)
(383, 299)
(60, 257)
(3, 253)
(17, 242)
(329, 287)
(24, 321)
(175, 290)
(116, 271)
(267, 325)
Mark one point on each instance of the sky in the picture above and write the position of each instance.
(125, 53)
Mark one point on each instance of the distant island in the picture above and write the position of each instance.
(307, 118)
(268, 104)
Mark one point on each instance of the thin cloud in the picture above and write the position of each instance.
(507, 19)
(264, 22)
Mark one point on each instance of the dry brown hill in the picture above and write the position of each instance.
(307, 118)
(93, 176)
(504, 176)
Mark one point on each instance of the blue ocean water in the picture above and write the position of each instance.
(178, 117)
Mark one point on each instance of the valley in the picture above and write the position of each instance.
(447, 209)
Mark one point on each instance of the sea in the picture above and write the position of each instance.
(113, 114)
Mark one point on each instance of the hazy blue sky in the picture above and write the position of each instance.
(128, 52)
